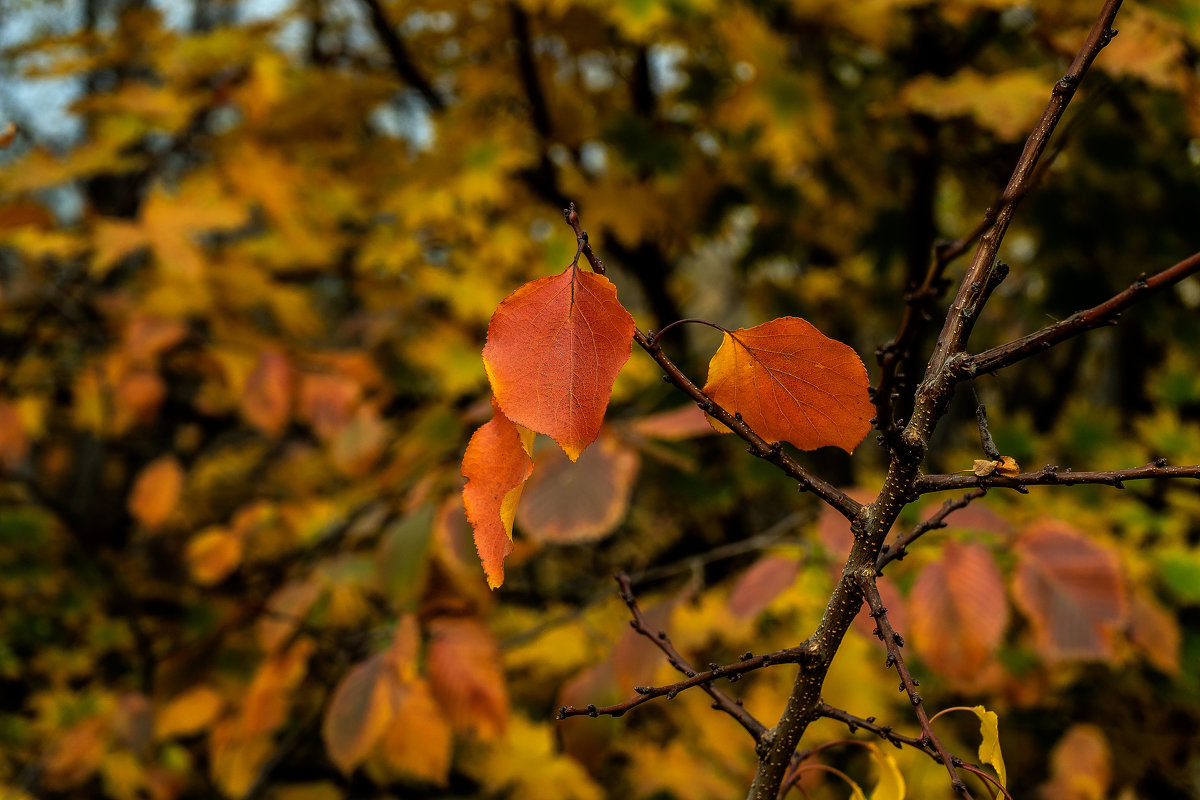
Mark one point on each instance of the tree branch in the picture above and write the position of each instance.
(1103, 314)
(721, 701)
(1055, 476)
(897, 551)
(893, 642)
(768, 451)
(402, 61)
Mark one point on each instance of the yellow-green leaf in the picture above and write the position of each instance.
(989, 748)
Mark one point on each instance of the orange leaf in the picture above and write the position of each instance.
(188, 714)
(554, 348)
(464, 673)
(156, 491)
(792, 383)
(496, 466)
(212, 554)
(767, 579)
(416, 744)
(1080, 765)
(286, 609)
(14, 444)
(959, 611)
(267, 397)
(578, 502)
(1071, 589)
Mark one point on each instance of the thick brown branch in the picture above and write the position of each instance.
(899, 549)
(760, 447)
(892, 641)
(402, 61)
(1055, 476)
(1103, 314)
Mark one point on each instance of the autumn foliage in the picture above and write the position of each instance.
(323, 432)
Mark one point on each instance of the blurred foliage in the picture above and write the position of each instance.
(241, 317)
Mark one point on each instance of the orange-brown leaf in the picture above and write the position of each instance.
(464, 672)
(14, 444)
(792, 383)
(1080, 765)
(496, 466)
(1071, 590)
(267, 397)
(212, 554)
(1154, 631)
(156, 491)
(554, 348)
(684, 422)
(580, 502)
(188, 713)
(761, 584)
(959, 611)
(360, 711)
(417, 742)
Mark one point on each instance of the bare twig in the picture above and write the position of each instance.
(897, 551)
(721, 701)
(768, 451)
(893, 642)
(1051, 475)
(884, 732)
(402, 61)
(1103, 314)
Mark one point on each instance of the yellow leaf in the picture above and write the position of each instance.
(989, 748)
(188, 714)
(891, 781)
(213, 554)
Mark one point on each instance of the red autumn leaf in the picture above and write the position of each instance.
(14, 444)
(267, 397)
(554, 348)
(496, 466)
(792, 383)
(464, 672)
(1071, 590)
(767, 579)
(959, 611)
(580, 502)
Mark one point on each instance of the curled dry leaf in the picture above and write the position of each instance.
(1008, 467)
(983, 467)
(580, 502)
(792, 383)
(496, 465)
(554, 348)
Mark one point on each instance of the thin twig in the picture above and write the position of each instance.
(1103, 314)
(402, 61)
(892, 641)
(897, 551)
(1056, 476)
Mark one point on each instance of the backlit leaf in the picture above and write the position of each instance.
(989, 748)
(959, 610)
(1080, 765)
(417, 743)
(792, 383)
(554, 348)
(1071, 589)
(890, 785)
(156, 491)
(496, 465)
(580, 502)
(463, 664)
(213, 554)
(188, 713)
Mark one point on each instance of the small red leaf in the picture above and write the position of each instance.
(792, 383)
(496, 466)
(1071, 589)
(767, 579)
(267, 397)
(554, 348)
(464, 673)
(959, 611)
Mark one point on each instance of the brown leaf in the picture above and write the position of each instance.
(285, 611)
(496, 466)
(1008, 467)
(361, 709)
(554, 348)
(792, 383)
(463, 664)
(1070, 588)
(959, 612)
(982, 467)
(767, 579)
(685, 422)
(580, 502)
(156, 491)
(1154, 631)
(1080, 766)
(267, 396)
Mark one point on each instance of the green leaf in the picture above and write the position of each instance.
(1180, 570)
(989, 748)
(404, 557)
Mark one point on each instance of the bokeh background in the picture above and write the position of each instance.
(248, 253)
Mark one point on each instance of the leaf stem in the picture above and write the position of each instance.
(678, 322)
